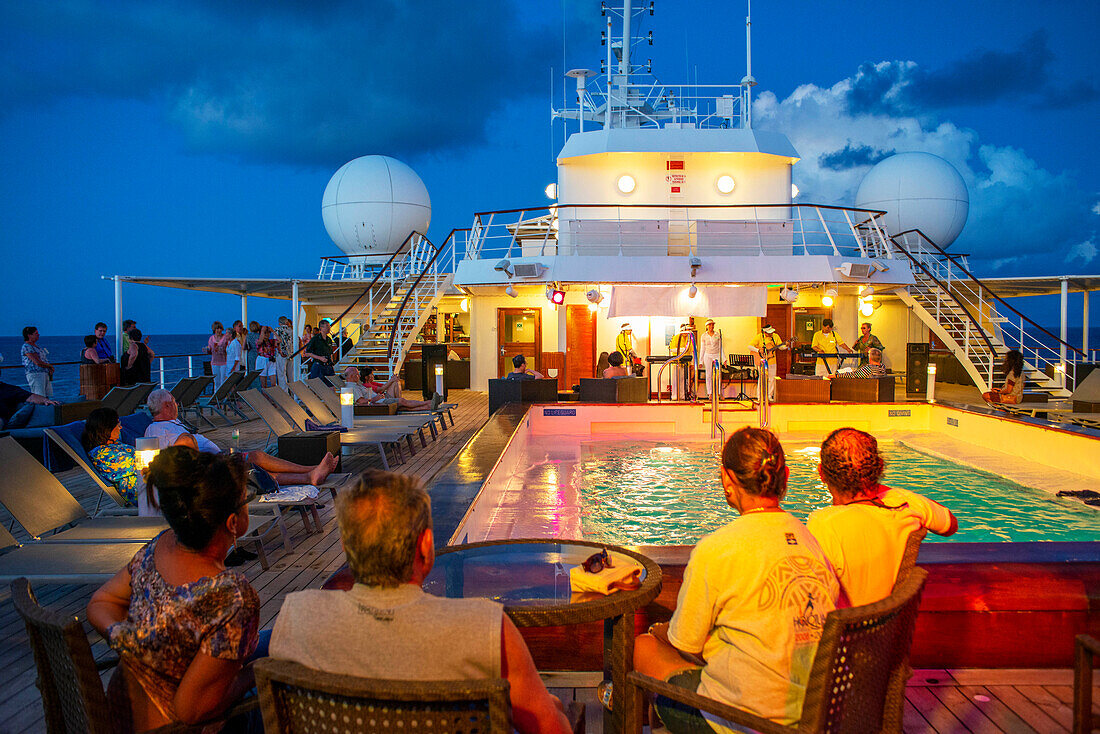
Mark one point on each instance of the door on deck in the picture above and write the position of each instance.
(779, 316)
(580, 334)
(519, 331)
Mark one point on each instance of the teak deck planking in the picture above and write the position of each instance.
(937, 701)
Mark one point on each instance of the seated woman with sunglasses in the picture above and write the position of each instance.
(114, 460)
(753, 602)
(865, 531)
(184, 626)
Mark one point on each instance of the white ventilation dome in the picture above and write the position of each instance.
(372, 204)
(917, 191)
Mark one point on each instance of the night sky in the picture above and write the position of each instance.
(196, 138)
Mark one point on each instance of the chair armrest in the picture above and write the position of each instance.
(247, 704)
(1085, 647)
(709, 705)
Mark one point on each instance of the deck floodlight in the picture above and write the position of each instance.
(594, 296)
(147, 450)
(555, 295)
(504, 266)
(856, 270)
(790, 295)
(693, 291)
(695, 264)
(511, 291)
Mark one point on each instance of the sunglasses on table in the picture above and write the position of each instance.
(597, 562)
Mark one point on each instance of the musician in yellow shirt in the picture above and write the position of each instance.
(826, 341)
(764, 346)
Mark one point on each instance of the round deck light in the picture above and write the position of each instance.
(626, 184)
(725, 184)
(464, 304)
(866, 308)
(794, 191)
(551, 191)
(829, 297)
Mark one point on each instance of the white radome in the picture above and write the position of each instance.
(372, 204)
(917, 191)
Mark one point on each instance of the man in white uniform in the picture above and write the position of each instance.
(710, 351)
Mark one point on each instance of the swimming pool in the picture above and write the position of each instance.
(650, 491)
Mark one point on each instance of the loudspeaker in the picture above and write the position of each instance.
(916, 368)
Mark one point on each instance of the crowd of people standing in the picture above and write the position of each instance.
(271, 350)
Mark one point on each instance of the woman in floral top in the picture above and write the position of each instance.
(265, 357)
(114, 460)
(215, 347)
(184, 626)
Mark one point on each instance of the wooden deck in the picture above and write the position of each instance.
(940, 701)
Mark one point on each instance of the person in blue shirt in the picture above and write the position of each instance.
(102, 348)
(519, 362)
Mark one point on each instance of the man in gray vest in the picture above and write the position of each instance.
(387, 626)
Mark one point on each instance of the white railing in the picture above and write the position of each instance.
(986, 313)
(747, 230)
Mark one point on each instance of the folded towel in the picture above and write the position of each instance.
(623, 575)
(313, 426)
(291, 494)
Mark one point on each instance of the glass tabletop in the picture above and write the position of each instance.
(519, 574)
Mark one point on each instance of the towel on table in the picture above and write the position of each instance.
(291, 494)
(622, 575)
(314, 426)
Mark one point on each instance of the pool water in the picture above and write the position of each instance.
(669, 493)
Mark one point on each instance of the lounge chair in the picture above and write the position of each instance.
(296, 417)
(44, 508)
(69, 676)
(321, 412)
(332, 402)
(180, 388)
(188, 402)
(299, 416)
(62, 563)
(216, 401)
(857, 682)
(135, 398)
(115, 397)
(232, 399)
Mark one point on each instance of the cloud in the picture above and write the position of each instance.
(983, 77)
(1086, 251)
(1023, 218)
(288, 82)
(852, 157)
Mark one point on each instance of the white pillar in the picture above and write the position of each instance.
(118, 318)
(1064, 333)
(296, 321)
(1085, 325)
(244, 310)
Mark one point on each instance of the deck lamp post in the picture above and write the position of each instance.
(930, 390)
(347, 408)
(147, 450)
(439, 378)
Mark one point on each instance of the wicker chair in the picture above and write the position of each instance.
(857, 683)
(909, 557)
(298, 700)
(69, 677)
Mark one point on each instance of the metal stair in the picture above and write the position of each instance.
(962, 313)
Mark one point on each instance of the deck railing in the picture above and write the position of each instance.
(662, 230)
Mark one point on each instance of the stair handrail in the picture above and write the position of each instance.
(958, 263)
(366, 290)
(975, 322)
(412, 288)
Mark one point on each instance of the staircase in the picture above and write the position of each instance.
(961, 312)
(398, 301)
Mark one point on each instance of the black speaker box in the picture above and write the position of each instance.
(916, 368)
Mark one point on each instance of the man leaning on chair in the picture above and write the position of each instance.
(386, 626)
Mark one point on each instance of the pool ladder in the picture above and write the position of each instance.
(717, 430)
(690, 347)
(763, 394)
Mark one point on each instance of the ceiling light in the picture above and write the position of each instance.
(794, 191)
(826, 301)
(594, 296)
(790, 295)
(551, 191)
(866, 308)
(725, 184)
(626, 184)
(554, 295)
(692, 291)
(510, 290)
(464, 304)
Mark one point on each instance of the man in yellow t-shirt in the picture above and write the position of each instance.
(765, 345)
(825, 341)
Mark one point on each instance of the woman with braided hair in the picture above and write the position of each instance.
(184, 626)
(752, 604)
(865, 531)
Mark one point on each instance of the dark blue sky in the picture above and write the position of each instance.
(196, 138)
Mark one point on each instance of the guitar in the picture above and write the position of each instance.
(769, 352)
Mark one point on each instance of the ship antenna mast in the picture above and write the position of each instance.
(748, 82)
